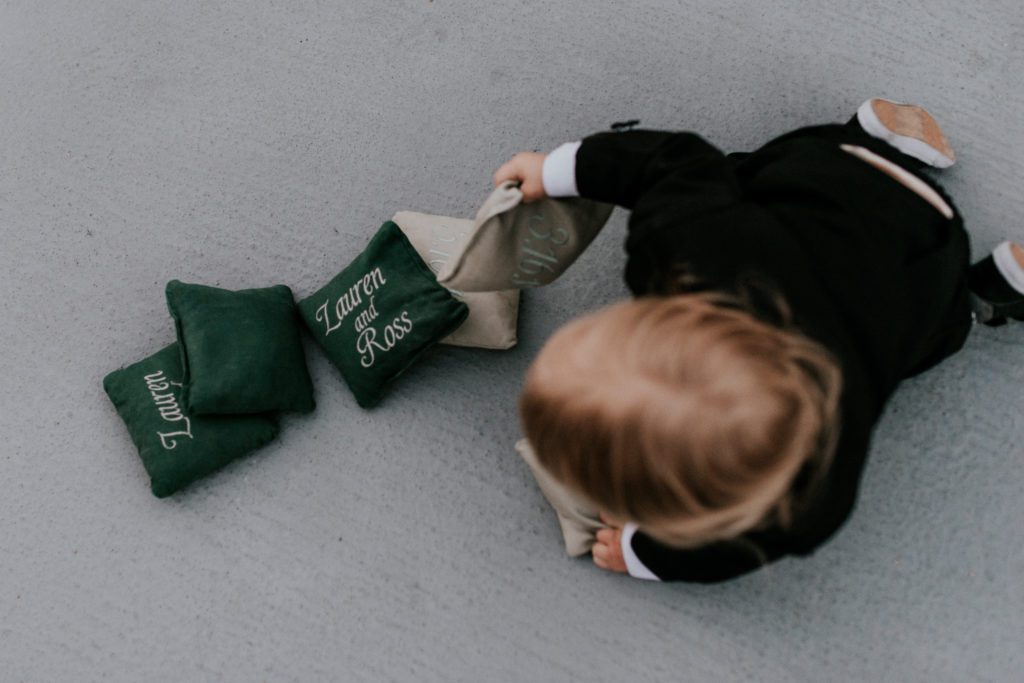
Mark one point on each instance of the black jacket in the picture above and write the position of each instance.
(869, 269)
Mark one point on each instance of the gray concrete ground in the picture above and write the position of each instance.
(243, 144)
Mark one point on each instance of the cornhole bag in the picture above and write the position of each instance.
(176, 448)
(492, 315)
(515, 245)
(241, 351)
(378, 315)
(578, 518)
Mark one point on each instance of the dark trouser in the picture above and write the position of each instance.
(849, 133)
(943, 250)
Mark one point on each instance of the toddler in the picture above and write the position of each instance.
(720, 420)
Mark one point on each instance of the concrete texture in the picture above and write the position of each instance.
(243, 144)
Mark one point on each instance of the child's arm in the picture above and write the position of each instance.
(616, 550)
(710, 563)
(619, 168)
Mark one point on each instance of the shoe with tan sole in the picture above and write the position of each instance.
(908, 128)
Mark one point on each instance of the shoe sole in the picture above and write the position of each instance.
(908, 128)
(994, 315)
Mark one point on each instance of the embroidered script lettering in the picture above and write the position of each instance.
(367, 344)
(169, 409)
(371, 342)
(539, 251)
(440, 254)
(350, 300)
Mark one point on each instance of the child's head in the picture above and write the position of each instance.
(684, 414)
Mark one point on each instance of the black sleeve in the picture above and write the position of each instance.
(710, 563)
(619, 168)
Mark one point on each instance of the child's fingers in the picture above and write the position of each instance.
(606, 536)
(526, 168)
(608, 557)
(504, 172)
(532, 189)
(510, 170)
(600, 554)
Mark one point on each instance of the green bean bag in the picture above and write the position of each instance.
(241, 350)
(177, 448)
(379, 314)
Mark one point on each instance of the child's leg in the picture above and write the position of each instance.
(997, 281)
(579, 519)
(903, 177)
(905, 134)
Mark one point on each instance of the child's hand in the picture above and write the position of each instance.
(528, 169)
(607, 552)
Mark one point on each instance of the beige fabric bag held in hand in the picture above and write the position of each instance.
(577, 517)
(515, 245)
(492, 315)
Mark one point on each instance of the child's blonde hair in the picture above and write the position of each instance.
(685, 414)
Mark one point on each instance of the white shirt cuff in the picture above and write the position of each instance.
(559, 176)
(636, 568)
